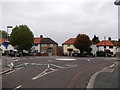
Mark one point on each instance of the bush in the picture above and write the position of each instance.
(101, 53)
(38, 54)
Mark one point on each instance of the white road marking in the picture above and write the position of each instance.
(66, 59)
(17, 60)
(14, 70)
(56, 66)
(17, 87)
(19, 65)
(26, 64)
(39, 64)
(112, 65)
(39, 75)
(52, 69)
(71, 65)
(33, 63)
(88, 60)
(44, 73)
(49, 60)
(48, 66)
(24, 58)
(116, 63)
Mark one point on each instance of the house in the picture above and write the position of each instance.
(68, 47)
(112, 46)
(36, 46)
(45, 46)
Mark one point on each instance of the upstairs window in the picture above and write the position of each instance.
(44, 45)
(68, 45)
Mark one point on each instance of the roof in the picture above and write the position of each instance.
(2, 40)
(107, 43)
(47, 41)
(116, 43)
(70, 41)
(37, 40)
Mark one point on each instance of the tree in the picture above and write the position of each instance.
(82, 43)
(21, 37)
(3, 34)
(95, 39)
(119, 39)
(109, 38)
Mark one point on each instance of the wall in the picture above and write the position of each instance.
(65, 47)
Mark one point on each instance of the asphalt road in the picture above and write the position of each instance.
(53, 72)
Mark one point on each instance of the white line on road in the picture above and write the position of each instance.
(56, 66)
(39, 75)
(17, 87)
(14, 70)
(66, 59)
(24, 58)
(33, 63)
(17, 60)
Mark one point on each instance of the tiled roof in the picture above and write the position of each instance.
(37, 40)
(105, 43)
(47, 41)
(116, 43)
(70, 41)
(2, 40)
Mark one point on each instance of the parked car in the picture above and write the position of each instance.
(11, 53)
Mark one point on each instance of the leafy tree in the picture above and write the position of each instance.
(3, 34)
(21, 37)
(109, 38)
(95, 39)
(82, 43)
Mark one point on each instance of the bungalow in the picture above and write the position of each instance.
(112, 46)
(45, 46)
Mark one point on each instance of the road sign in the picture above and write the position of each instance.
(6, 43)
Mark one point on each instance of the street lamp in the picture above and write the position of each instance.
(7, 43)
(117, 2)
(7, 30)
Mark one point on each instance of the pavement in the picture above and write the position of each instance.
(60, 72)
(109, 78)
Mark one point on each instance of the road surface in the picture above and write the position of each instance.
(54, 72)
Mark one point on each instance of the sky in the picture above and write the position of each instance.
(62, 19)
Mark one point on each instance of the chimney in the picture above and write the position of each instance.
(41, 36)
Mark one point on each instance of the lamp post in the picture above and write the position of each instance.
(7, 45)
(117, 3)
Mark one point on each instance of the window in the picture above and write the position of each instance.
(35, 44)
(51, 45)
(35, 51)
(68, 45)
(44, 45)
(43, 51)
(110, 46)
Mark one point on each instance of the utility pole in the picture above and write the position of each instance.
(7, 45)
(117, 3)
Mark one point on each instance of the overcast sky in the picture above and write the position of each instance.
(61, 20)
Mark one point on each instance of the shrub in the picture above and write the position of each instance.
(101, 53)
